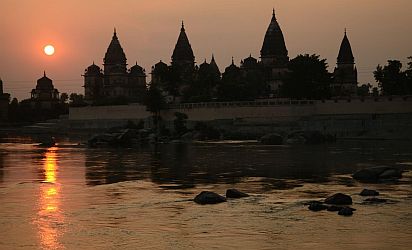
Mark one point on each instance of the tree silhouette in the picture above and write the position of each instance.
(308, 78)
(391, 79)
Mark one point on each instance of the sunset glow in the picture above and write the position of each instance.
(49, 50)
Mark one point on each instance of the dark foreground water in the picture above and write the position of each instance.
(71, 197)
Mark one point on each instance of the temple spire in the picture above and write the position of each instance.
(274, 46)
(183, 53)
(345, 55)
(44, 73)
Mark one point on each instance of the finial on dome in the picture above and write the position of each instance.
(233, 61)
(44, 73)
(183, 25)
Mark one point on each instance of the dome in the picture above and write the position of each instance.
(232, 67)
(250, 62)
(160, 67)
(45, 83)
(137, 70)
(93, 70)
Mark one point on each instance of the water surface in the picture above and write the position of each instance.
(72, 197)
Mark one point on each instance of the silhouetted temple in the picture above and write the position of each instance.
(345, 75)
(115, 81)
(44, 95)
(274, 55)
(184, 81)
(4, 103)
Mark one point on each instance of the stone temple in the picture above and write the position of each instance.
(115, 80)
(174, 80)
(345, 76)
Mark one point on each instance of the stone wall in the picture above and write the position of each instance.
(345, 118)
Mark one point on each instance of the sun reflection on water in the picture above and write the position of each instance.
(49, 217)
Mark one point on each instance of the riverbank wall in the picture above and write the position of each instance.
(383, 117)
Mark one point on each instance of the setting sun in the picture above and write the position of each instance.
(49, 50)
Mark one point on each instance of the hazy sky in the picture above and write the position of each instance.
(148, 29)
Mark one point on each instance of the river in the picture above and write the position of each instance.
(73, 197)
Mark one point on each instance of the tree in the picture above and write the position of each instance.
(77, 100)
(64, 97)
(364, 90)
(391, 79)
(308, 78)
(154, 102)
(409, 76)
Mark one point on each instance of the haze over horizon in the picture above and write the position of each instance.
(148, 29)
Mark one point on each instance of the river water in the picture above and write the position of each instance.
(73, 197)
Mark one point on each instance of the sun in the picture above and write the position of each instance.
(49, 50)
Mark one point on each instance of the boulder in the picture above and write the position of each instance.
(206, 197)
(334, 208)
(235, 194)
(377, 173)
(272, 139)
(369, 192)
(317, 206)
(296, 139)
(346, 211)
(339, 199)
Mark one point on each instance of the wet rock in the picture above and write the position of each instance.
(375, 201)
(272, 139)
(369, 192)
(339, 199)
(334, 208)
(317, 206)
(206, 197)
(377, 173)
(346, 211)
(235, 194)
(391, 174)
(296, 139)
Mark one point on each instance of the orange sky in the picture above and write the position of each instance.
(148, 30)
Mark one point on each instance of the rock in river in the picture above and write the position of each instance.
(339, 199)
(346, 211)
(206, 197)
(378, 173)
(235, 194)
(272, 139)
(369, 192)
(317, 206)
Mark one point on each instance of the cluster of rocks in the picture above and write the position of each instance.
(297, 137)
(379, 173)
(207, 197)
(341, 202)
(336, 203)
